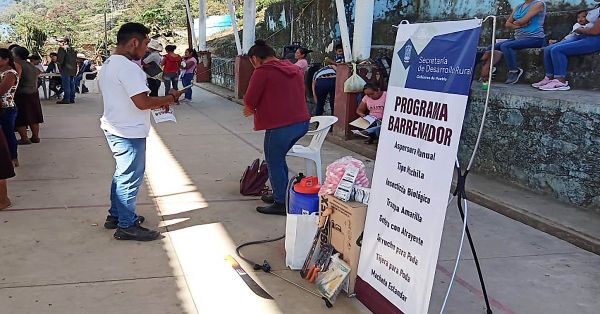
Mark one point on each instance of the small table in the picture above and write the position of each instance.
(46, 79)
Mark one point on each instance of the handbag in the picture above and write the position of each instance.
(153, 69)
(254, 179)
(355, 83)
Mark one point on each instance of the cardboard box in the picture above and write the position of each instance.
(347, 224)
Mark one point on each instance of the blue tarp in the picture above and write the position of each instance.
(215, 24)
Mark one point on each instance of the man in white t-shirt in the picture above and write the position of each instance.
(126, 124)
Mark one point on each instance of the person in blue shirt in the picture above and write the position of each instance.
(338, 58)
(84, 65)
(527, 22)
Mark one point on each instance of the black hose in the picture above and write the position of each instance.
(255, 265)
(265, 266)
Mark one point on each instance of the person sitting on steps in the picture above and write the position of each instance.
(527, 20)
(556, 55)
(372, 104)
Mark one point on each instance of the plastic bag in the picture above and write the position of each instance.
(355, 83)
(336, 170)
(299, 234)
(330, 282)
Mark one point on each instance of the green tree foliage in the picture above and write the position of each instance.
(157, 19)
(83, 20)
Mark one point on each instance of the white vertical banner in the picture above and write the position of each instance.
(363, 30)
(344, 32)
(202, 25)
(190, 18)
(234, 26)
(249, 30)
(430, 81)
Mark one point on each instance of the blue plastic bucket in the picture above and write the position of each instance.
(303, 204)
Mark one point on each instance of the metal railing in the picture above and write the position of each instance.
(223, 72)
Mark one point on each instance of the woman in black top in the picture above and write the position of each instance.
(27, 99)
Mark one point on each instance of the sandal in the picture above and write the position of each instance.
(35, 140)
(6, 206)
(24, 142)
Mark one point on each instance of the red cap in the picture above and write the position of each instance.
(308, 185)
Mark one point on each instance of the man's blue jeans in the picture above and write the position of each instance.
(325, 87)
(555, 56)
(509, 49)
(130, 155)
(77, 82)
(277, 144)
(7, 120)
(374, 129)
(68, 85)
(186, 80)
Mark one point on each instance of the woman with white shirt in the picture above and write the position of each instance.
(150, 62)
(556, 56)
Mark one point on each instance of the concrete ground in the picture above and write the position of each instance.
(57, 258)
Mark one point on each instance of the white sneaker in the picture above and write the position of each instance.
(556, 85)
(360, 133)
(541, 83)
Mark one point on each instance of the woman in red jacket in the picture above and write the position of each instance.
(172, 66)
(276, 98)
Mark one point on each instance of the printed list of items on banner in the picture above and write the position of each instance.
(418, 140)
(427, 95)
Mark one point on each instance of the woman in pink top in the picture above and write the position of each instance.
(191, 62)
(372, 104)
(301, 54)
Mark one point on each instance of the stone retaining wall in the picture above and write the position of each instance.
(547, 142)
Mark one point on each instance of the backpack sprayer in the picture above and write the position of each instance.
(265, 266)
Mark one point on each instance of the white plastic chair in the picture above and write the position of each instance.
(312, 152)
(93, 87)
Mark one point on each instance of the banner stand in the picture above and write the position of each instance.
(396, 255)
(461, 194)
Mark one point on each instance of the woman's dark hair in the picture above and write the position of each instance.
(261, 50)
(194, 53)
(581, 11)
(11, 47)
(6, 54)
(372, 86)
(338, 46)
(170, 48)
(53, 54)
(35, 57)
(304, 51)
(21, 52)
